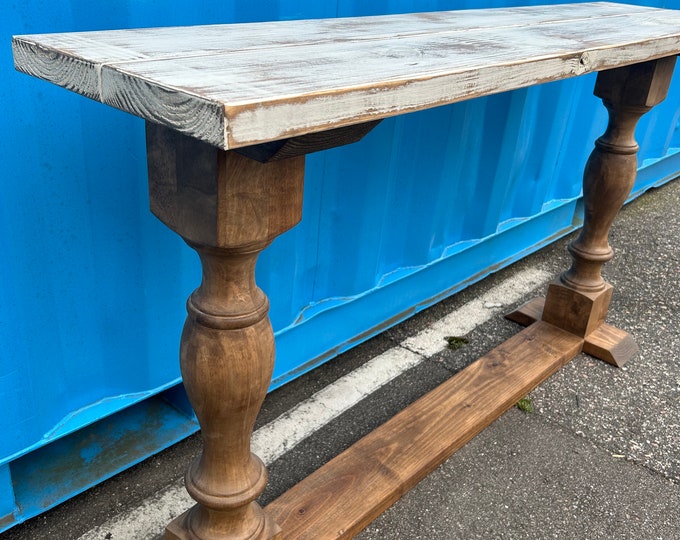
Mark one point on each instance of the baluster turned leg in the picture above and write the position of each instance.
(578, 301)
(227, 356)
(228, 208)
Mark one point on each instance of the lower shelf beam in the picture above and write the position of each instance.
(345, 495)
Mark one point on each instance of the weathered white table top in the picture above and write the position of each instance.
(238, 85)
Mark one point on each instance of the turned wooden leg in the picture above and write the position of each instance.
(227, 357)
(578, 301)
(228, 208)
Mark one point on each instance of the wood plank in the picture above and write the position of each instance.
(239, 85)
(345, 495)
(115, 46)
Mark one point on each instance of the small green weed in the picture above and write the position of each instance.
(455, 342)
(525, 405)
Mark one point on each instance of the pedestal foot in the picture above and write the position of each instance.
(578, 312)
(606, 342)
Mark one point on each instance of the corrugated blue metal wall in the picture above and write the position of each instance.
(93, 287)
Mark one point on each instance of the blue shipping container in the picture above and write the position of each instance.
(93, 286)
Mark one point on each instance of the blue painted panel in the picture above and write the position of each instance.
(92, 287)
(67, 467)
(92, 291)
(7, 504)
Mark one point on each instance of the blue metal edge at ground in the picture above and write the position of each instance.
(93, 287)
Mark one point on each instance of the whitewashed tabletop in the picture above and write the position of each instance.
(241, 84)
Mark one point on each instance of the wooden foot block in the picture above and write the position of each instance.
(346, 494)
(528, 313)
(179, 529)
(577, 312)
(610, 344)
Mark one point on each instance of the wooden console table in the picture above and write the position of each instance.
(232, 110)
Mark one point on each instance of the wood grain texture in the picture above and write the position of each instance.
(220, 198)
(528, 313)
(608, 343)
(578, 302)
(239, 85)
(577, 312)
(342, 497)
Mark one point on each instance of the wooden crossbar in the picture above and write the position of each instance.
(346, 494)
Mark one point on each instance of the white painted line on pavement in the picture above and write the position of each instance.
(147, 521)
(462, 321)
(274, 439)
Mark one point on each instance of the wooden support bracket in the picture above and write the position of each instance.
(307, 144)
